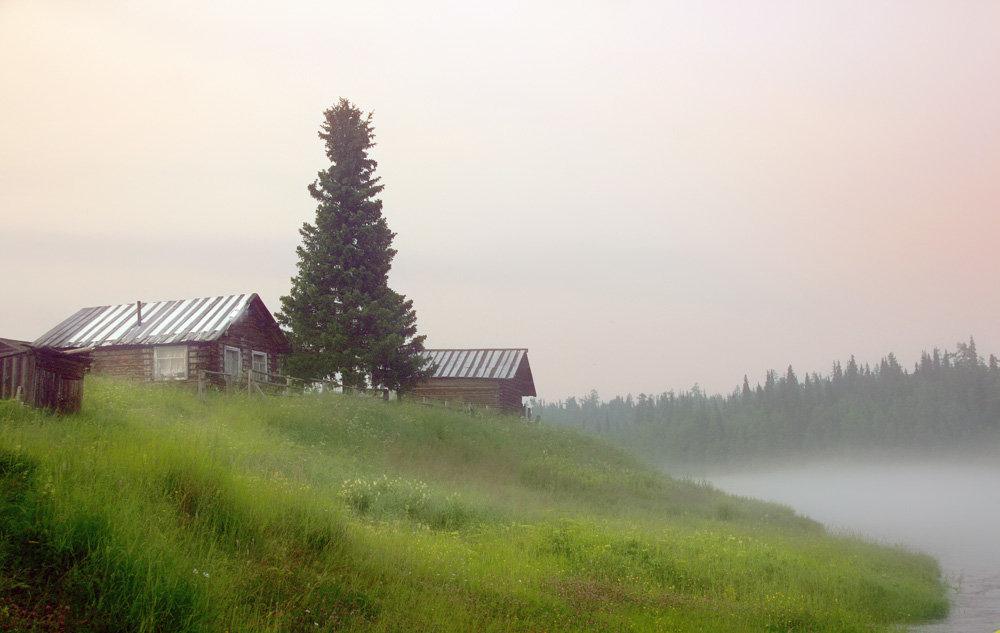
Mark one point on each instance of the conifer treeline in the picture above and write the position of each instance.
(948, 399)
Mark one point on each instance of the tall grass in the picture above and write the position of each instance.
(154, 511)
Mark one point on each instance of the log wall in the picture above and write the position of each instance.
(504, 395)
(136, 363)
(255, 332)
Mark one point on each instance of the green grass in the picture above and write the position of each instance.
(153, 511)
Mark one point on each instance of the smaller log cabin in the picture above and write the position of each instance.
(174, 340)
(42, 377)
(497, 379)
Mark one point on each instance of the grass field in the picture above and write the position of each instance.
(153, 511)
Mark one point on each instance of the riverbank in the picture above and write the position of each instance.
(154, 511)
(945, 506)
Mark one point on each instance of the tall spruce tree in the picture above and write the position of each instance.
(343, 319)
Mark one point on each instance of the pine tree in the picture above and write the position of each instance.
(790, 378)
(966, 355)
(343, 318)
(851, 373)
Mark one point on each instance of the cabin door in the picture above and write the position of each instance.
(233, 364)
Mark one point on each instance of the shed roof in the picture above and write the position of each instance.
(162, 322)
(10, 347)
(499, 364)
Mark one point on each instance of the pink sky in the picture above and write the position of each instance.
(646, 195)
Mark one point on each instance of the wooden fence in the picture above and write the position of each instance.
(264, 384)
(257, 382)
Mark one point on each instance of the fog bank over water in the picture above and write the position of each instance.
(949, 509)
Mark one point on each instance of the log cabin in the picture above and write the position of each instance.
(174, 340)
(497, 379)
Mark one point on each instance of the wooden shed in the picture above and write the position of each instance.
(174, 340)
(498, 379)
(42, 377)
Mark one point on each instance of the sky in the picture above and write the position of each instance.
(647, 195)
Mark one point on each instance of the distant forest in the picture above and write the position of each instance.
(948, 400)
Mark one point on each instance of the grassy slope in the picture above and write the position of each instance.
(151, 511)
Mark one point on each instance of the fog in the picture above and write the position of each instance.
(948, 509)
(608, 183)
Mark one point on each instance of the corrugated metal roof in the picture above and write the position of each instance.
(163, 323)
(475, 363)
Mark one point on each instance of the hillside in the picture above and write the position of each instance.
(152, 511)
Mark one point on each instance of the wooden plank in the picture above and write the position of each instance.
(28, 379)
(15, 372)
(6, 389)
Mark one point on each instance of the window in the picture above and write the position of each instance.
(170, 362)
(259, 365)
(233, 361)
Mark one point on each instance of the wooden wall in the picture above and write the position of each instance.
(255, 332)
(124, 362)
(136, 363)
(503, 395)
(523, 382)
(510, 397)
(47, 379)
(479, 392)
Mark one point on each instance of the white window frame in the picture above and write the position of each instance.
(254, 355)
(165, 362)
(239, 361)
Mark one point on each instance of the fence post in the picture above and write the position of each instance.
(201, 385)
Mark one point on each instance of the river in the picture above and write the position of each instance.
(948, 509)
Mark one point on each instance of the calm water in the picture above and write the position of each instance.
(949, 510)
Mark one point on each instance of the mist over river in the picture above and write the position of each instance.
(948, 509)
